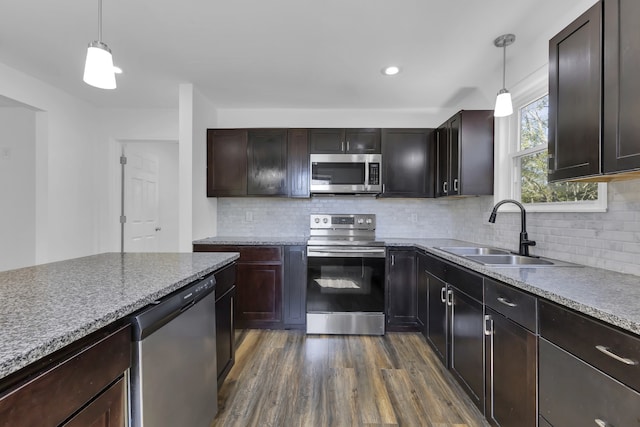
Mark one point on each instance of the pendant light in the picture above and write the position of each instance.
(98, 69)
(504, 107)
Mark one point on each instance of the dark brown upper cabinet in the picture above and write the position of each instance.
(464, 153)
(594, 95)
(621, 86)
(267, 162)
(298, 162)
(575, 69)
(338, 141)
(408, 162)
(226, 162)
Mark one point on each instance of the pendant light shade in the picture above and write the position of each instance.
(504, 106)
(98, 68)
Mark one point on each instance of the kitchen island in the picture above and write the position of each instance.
(47, 307)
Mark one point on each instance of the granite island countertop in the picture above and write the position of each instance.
(603, 294)
(46, 307)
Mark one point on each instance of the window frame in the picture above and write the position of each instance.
(507, 143)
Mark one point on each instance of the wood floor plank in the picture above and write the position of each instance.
(286, 378)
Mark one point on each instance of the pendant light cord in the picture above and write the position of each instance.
(504, 65)
(100, 21)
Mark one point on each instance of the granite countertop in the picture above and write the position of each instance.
(253, 240)
(606, 295)
(46, 307)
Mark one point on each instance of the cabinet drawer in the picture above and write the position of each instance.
(511, 303)
(54, 395)
(247, 253)
(225, 279)
(573, 393)
(610, 350)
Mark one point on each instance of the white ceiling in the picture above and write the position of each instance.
(277, 53)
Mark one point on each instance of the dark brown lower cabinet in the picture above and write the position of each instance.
(86, 379)
(259, 284)
(402, 308)
(574, 393)
(511, 366)
(225, 294)
(437, 326)
(467, 344)
(295, 287)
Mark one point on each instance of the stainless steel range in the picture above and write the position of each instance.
(345, 276)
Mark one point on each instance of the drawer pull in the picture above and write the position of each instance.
(608, 352)
(506, 302)
(601, 423)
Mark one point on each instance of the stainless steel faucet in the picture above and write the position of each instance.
(524, 238)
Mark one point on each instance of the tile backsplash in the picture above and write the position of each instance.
(609, 240)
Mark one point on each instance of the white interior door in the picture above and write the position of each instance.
(141, 201)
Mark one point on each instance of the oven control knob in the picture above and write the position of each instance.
(360, 221)
(369, 221)
(317, 220)
(325, 220)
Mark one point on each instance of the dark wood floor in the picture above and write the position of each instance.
(286, 378)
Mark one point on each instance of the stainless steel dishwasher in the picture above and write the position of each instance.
(173, 375)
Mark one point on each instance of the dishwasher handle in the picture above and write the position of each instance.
(151, 318)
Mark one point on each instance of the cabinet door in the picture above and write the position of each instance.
(575, 98)
(295, 286)
(454, 155)
(442, 153)
(422, 289)
(437, 319)
(408, 163)
(259, 290)
(401, 290)
(467, 345)
(105, 411)
(362, 141)
(225, 333)
(226, 162)
(298, 162)
(267, 162)
(472, 156)
(511, 369)
(327, 141)
(621, 137)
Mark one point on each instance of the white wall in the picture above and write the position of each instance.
(66, 201)
(17, 187)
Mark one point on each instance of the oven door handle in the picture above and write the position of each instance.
(341, 252)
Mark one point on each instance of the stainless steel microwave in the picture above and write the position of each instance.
(346, 173)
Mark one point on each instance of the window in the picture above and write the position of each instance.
(521, 144)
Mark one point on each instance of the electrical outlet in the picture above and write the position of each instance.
(414, 218)
(5, 153)
(248, 216)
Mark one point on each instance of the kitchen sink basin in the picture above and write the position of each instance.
(470, 250)
(493, 257)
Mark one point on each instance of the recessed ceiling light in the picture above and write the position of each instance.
(117, 70)
(391, 71)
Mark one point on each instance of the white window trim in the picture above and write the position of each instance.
(506, 138)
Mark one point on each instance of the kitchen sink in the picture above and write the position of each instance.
(493, 257)
(470, 250)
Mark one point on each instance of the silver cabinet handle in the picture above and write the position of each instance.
(444, 187)
(601, 423)
(443, 291)
(342, 146)
(450, 298)
(347, 145)
(506, 302)
(393, 260)
(488, 325)
(455, 184)
(609, 353)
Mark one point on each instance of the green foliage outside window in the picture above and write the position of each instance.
(534, 124)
